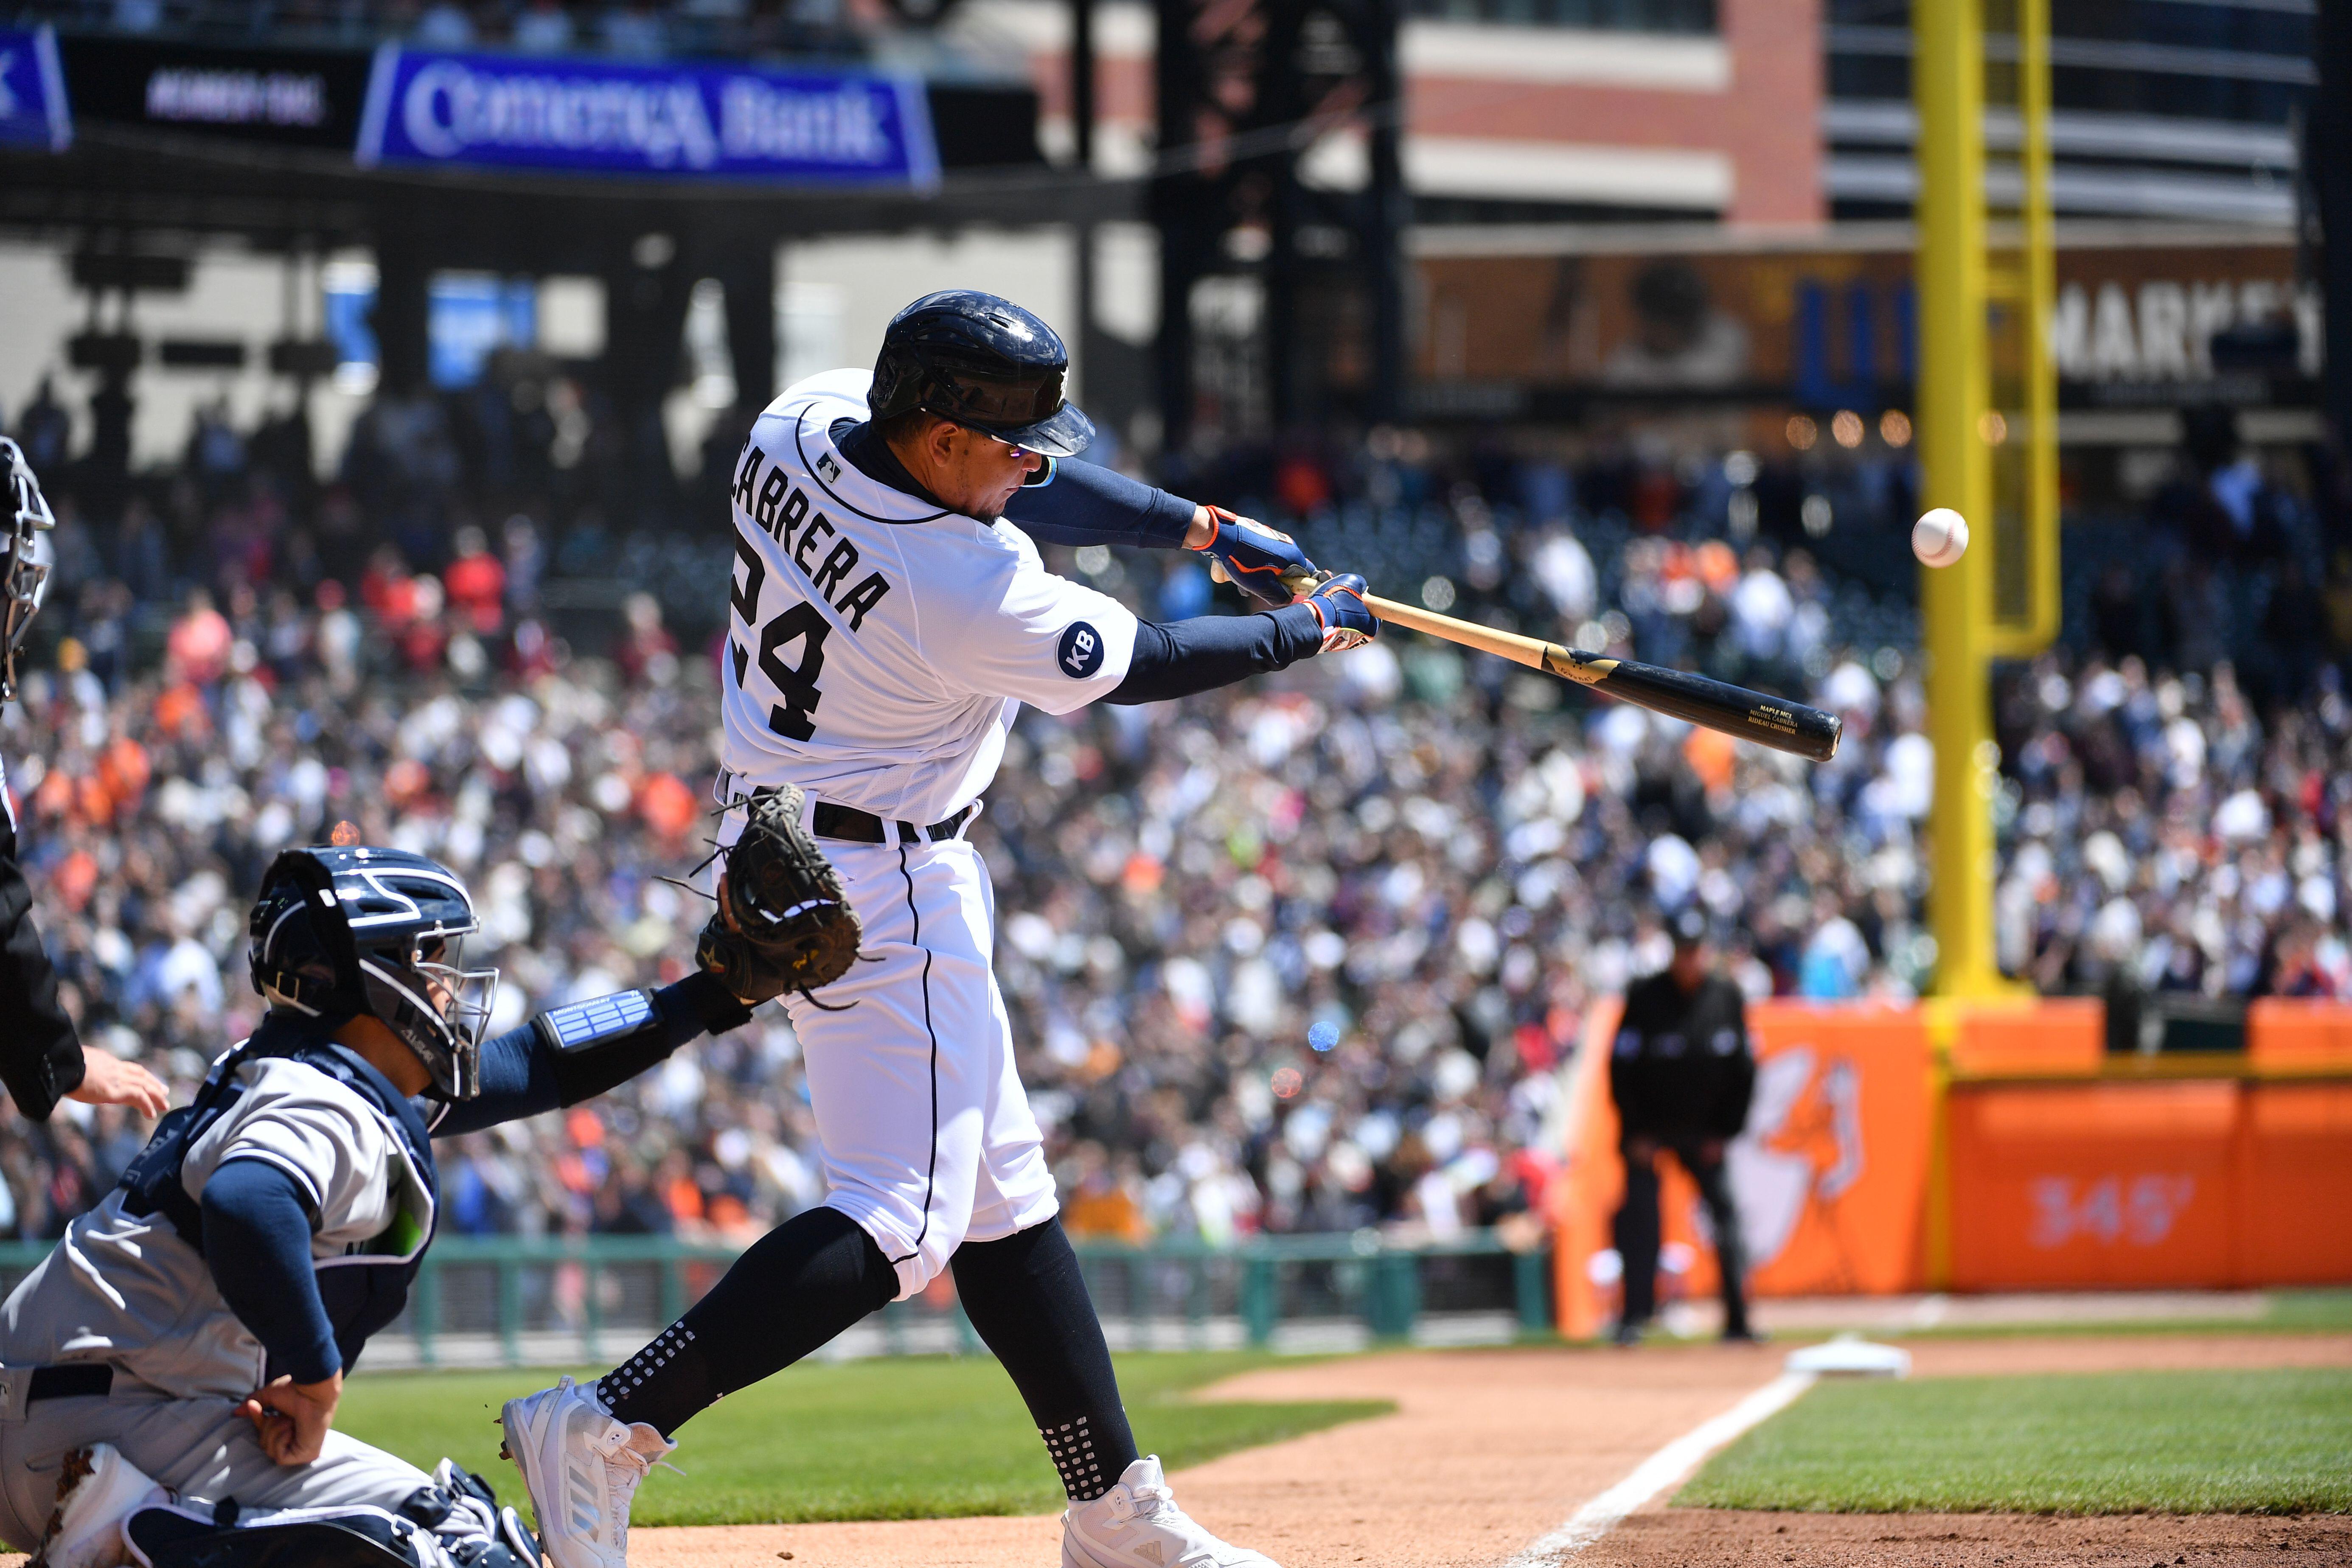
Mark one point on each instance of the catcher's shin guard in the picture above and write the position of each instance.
(478, 1531)
(173, 1536)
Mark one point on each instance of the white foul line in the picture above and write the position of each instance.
(1659, 1471)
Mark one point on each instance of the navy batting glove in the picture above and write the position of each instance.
(1253, 558)
(1338, 602)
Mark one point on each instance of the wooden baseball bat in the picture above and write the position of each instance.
(1773, 722)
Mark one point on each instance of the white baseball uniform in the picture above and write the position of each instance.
(879, 651)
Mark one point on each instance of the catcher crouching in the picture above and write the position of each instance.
(169, 1376)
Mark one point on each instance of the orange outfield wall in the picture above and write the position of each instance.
(2201, 1183)
(2061, 1168)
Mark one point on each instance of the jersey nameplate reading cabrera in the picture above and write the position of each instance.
(782, 511)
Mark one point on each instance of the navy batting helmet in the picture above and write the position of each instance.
(982, 363)
(339, 932)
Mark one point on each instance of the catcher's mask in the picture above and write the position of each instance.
(24, 561)
(984, 363)
(339, 932)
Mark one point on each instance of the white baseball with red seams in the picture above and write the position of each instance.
(1940, 537)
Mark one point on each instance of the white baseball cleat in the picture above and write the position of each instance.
(1137, 1524)
(97, 1490)
(581, 1468)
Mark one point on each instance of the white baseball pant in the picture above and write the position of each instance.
(926, 1133)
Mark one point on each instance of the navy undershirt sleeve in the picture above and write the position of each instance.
(1209, 651)
(1086, 504)
(521, 1076)
(258, 1228)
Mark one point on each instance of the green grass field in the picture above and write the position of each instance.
(897, 1438)
(2285, 1311)
(2177, 1442)
(2323, 1310)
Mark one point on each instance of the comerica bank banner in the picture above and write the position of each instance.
(515, 113)
(32, 91)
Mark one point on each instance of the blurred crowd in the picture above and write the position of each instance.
(1302, 955)
(2162, 836)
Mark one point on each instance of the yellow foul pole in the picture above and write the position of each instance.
(1953, 398)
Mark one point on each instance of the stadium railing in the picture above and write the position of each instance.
(545, 1301)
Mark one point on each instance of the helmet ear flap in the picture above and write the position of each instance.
(314, 884)
(897, 383)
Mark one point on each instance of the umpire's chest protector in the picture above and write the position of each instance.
(364, 1288)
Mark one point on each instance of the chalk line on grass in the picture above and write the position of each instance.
(1659, 1471)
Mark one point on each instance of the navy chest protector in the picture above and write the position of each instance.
(365, 1288)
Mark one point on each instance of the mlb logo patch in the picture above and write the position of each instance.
(828, 467)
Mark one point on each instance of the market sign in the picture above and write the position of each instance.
(503, 111)
(289, 98)
(2140, 319)
(33, 111)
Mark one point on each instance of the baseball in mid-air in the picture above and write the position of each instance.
(1940, 537)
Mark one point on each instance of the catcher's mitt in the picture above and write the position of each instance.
(783, 921)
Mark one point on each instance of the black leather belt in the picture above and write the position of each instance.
(71, 1380)
(847, 822)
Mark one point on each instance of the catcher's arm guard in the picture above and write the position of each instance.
(592, 1046)
(783, 921)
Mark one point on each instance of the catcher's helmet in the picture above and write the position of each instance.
(982, 363)
(339, 932)
(24, 561)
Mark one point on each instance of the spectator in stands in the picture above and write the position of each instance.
(543, 27)
(476, 582)
(1681, 1074)
(444, 24)
(635, 30)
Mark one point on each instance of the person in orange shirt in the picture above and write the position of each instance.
(198, 646)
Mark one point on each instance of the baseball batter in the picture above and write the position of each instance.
(169, 1376)
(889, 615)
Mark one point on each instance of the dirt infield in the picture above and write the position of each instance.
(1709, 1537)
(1489, 1450)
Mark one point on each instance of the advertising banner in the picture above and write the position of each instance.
(585, 115)
(286, 97)
(33, 111)
(2136, 324)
